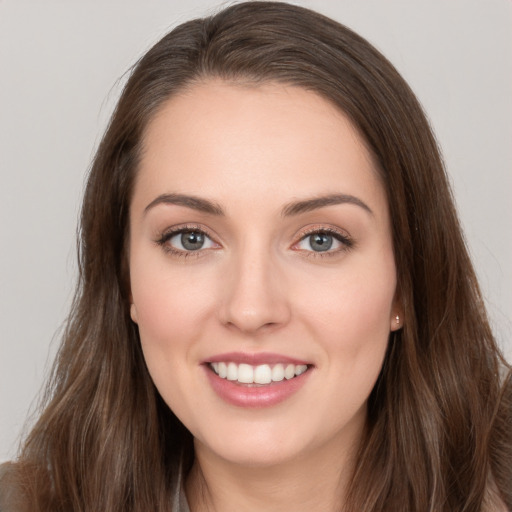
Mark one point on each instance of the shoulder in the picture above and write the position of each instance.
(493, 501)
(14, 498)
(6, 488)
(10, 495)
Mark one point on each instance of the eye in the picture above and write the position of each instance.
(190, 241)
(324, 241)
(183, 241)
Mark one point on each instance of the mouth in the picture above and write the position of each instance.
(257, 380)
(257, 375)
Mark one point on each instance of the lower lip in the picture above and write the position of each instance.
(256, 396)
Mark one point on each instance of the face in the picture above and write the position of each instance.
(262, 270)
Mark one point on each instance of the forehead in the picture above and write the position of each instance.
(216, 136)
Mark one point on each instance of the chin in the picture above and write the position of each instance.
(260, 445)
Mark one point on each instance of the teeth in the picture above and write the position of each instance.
(277, 373)
(261, 374)
(300, 369)
(245, 373)
(222, 370)
(232, 371)
(289, 371)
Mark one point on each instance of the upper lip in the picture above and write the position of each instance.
(254, 359)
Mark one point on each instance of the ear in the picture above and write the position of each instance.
(397, 317)
(133, 312)
(396, 322)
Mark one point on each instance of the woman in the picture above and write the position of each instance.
(276, 309)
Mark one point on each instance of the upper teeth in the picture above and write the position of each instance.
(261, 374)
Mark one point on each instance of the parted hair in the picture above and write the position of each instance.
(438, 435)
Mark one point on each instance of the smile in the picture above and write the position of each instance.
(256, 380)
(261, 374)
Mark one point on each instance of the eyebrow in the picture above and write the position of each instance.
(196, 203)
(308, 205)
(291, 209)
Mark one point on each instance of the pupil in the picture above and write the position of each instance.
(192, 240)
(320, 242)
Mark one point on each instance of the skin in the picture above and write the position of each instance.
(258, 286)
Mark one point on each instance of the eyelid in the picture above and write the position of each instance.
(342, 236)
(172, 231)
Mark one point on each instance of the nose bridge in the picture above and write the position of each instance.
(255, 295)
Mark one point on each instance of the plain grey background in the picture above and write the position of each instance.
(62, 65)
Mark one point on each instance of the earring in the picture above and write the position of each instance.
(397, 318)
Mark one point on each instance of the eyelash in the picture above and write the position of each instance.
(346, 241)
(172, 232)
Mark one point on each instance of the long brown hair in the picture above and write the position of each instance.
(439, 417)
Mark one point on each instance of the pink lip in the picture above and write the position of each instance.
(255, 395)
(254, 359)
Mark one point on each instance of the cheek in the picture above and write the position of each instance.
(350, 319)
(355, 341)
(169, 302)
(170, 310)
(351, 303)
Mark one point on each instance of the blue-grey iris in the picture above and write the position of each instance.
(320, 242)
(192, 240)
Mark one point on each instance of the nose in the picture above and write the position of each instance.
(254, 296)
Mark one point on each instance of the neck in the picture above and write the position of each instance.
(312, 481)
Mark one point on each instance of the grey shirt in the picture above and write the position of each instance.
(179, 502)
